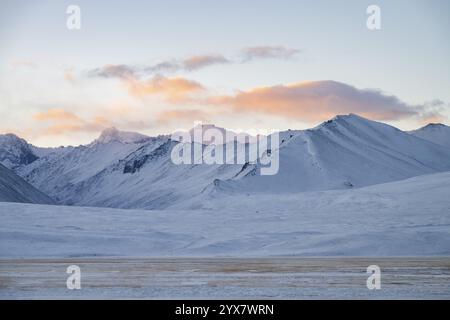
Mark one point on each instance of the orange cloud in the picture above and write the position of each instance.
(56, 114)
(432, 117)
(172, 89)
(60, 121)
(63, 128)
(317, 101)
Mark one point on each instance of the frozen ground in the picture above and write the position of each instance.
(404, 218)
(226, 278)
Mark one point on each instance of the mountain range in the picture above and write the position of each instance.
(130, 170)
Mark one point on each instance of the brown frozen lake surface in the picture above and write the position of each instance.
(226, 278)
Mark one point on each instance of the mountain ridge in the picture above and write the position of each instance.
(129, 170)
(14, 189)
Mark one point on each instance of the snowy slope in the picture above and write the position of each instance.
(14, 189)
(58, 173)
(123, 170)
(434, 132)
(403, 218)
(345, 152)
(201, 131)
(147, 178)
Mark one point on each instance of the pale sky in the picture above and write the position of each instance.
(158, 66)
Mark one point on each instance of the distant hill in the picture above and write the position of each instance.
(434, 132)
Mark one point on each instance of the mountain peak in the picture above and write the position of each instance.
(10, 137)
(350, 116)
(110, 130)
(339, 119)
(431, 127)
(435, 132)
(112, 134)
(435, 125)
(15, 151)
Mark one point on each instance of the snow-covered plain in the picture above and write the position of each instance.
(403, 218)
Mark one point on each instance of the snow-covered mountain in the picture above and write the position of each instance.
(345, 152)
(145, 178)
(59, 174)
(14, 189)
(129, 170)
(199, 133)
(121, 169)
(434, 132)
(15, 152)
(113, 135)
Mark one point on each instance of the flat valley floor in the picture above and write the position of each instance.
(226, 278)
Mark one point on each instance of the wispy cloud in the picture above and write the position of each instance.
(433, 112)
(201, 61)
(114, 71)
(432, 117)
(266, 52)
(164, 67)
(317, 101)
(189, 64)
(161, 67)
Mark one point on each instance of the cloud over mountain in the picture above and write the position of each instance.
(317, 101)
(58, 121)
